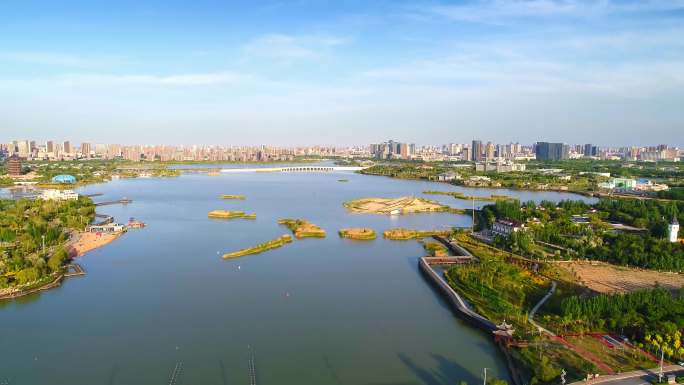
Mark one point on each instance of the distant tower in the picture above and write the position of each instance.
(673, 229)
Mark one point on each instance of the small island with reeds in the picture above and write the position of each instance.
(362, 234)
(401, 234)
(235, 197)
(302, 229)
(260, 248)
(460, 195)
(396, 206)
(225, 214)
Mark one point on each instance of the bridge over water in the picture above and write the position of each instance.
(293, 169)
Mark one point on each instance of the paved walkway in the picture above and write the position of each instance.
(530, 316)
(637, 377)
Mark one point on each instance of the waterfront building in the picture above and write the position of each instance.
(448, 176)
(505, 227)
(552, 151)
(58, 195)
(110, 228)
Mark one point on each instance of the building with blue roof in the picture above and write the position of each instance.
(64, 179)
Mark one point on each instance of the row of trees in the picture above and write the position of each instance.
(636, 314)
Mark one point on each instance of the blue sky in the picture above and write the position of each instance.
(345, 72)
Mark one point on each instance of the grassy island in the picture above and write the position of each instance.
(225, 214)
(403, 205)
(260, 248)
(302, 229)
(460, 195)
(236, 197)
(363, 234)
(343, 180)
(399, 234)
(435, 249)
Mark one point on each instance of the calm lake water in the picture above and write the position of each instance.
(317, 311)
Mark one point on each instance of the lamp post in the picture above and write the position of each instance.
(484, 382)
(43, 238)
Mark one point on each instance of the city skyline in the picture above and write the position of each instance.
(307, 73)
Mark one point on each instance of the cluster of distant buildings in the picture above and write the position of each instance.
(52, 150)
(491, 156)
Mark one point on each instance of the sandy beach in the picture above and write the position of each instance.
(84, 242)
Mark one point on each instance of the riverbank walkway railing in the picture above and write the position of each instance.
(458, 304)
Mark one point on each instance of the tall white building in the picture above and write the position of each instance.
(673, 230)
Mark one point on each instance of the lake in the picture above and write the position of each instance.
(317, 311)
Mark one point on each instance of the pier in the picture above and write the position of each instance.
(175, 374)
(251, 367)
(74, 270)
(122, 201)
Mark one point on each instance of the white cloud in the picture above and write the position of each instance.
(501, 11)
(198, 79)
(60, 59)
(292, 47)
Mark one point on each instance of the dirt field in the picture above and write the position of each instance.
(404, 205)
(605, 278)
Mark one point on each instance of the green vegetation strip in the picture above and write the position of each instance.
(260, 248)
(400, 234)
(224, 214)
(460, 195)
(236, 197)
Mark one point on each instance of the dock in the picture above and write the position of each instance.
(175, 374)
(122, 201)
(74, 270)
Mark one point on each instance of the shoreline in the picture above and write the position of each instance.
(76, 247)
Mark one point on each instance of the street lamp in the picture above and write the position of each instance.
(43, 237)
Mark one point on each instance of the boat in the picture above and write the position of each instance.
(395, 212)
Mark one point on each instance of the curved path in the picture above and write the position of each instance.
(530, 316)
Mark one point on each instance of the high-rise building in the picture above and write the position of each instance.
(590, 150)
(476, 151)
(50, 147)
(66, 147)
(24, 148)
(489, 151)
(85, 149)
(551, 151)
